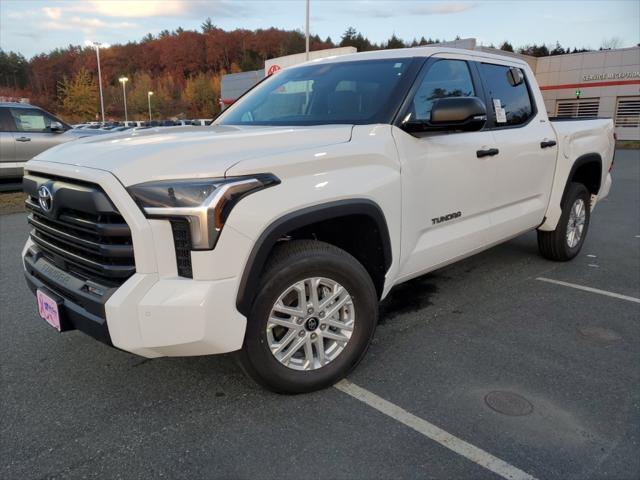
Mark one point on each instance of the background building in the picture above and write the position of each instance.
(594, 84)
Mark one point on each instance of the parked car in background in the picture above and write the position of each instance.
(202, 121)
(135, 123)
(26, 131)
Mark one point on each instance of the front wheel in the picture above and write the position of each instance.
(313, 318)
(566, 240)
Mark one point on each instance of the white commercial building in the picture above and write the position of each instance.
(594, 84)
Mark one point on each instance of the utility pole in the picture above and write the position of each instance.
(307, 34)
(149, 101)
(98, 46)
(123, 81)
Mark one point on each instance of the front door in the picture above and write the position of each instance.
(446, 187)
(32, 133)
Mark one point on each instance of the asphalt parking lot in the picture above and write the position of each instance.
(566, 363)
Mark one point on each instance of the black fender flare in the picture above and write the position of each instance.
(580, 161)
(258, 257)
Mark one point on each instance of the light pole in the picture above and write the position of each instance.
(98, 46)
(149, 100)
(307, 34)
(123, 81)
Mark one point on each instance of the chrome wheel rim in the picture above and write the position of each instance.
(310, 324)
(575, 226)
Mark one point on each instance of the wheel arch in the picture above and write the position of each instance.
(587, 169)
(301, 219)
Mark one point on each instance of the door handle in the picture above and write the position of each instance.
(23, 139)
(490, 152)
(547, 143)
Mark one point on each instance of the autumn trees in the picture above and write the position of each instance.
(78, 96)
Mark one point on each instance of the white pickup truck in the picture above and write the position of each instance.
(275, 233)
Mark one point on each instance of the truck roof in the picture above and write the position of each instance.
(416, 52)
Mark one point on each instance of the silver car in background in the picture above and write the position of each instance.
(25, 131)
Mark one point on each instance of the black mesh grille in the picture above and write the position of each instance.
(182, 242)
(83, 233)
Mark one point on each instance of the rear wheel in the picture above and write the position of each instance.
(313, 318)
(566, 240)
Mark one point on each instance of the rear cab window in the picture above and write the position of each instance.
(515, 101)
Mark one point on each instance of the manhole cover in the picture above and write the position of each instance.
(599, 333)
(508, 403)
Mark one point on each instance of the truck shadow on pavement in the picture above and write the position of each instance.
(408, 297)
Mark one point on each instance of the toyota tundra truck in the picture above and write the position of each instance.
(275, 232)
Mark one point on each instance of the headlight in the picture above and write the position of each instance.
(204, 203)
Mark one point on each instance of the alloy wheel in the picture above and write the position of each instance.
(310, 323)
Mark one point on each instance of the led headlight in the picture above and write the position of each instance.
(204, 203)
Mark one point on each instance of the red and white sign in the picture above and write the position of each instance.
(274, 65)
(273, 69)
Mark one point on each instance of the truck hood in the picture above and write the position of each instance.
(187, 152)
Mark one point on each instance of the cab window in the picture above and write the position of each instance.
(445, 78)
(31, 120)
(356, 92)
(514, 100)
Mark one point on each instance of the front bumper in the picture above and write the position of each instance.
(81, 309)
(154, 312)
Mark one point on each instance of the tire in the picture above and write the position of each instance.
(558, 245)
(294, 267)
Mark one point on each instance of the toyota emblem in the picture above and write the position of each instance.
(45, 199)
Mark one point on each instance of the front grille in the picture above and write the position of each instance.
(83, 233)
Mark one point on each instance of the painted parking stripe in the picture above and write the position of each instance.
(453, 443)
(589, 289)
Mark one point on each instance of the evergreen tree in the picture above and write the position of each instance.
(394, 42)
(506, 46)
(207, 26)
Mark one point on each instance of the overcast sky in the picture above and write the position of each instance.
(34, 26)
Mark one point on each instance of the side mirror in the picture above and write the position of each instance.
(452, 113)
(515, 76)
(56, 127)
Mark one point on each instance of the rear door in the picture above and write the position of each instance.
(446, 187)
(525, 139)
(32, 132)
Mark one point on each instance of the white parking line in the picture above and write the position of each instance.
(589, 289)
(436, 434)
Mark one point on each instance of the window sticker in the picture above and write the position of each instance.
(501, 114)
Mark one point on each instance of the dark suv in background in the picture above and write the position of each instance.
(25, 131)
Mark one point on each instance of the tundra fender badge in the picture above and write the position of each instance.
(446, 218)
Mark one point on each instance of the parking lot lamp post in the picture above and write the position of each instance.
(123, 81)
(306, 57)
(98, 46)
(149, 101)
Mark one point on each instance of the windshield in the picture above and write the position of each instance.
(329, 93)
